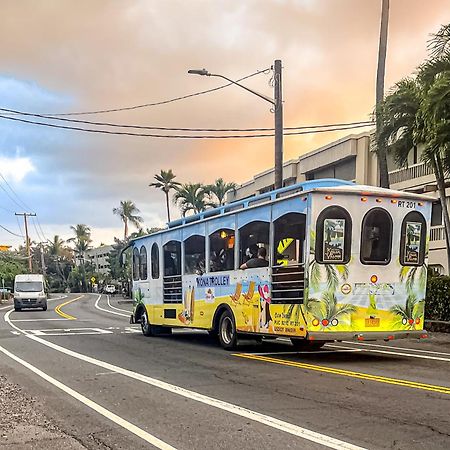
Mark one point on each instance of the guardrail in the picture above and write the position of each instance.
(437, 233)
(409, 173)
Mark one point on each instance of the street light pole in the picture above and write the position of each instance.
(277, 103)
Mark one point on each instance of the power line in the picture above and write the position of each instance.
(20, 228)
(42, 231)
(178, 136)
(6, 209)
(9, 196)
(41, 238)
(163, 102)
(147, 127)
(10, 232)
(24, 205)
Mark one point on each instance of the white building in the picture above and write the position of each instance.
(350, 158)
(99, 258)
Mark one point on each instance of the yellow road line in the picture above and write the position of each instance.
(63, 314)
(348, 373)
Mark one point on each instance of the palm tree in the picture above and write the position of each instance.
(381, 69)
(165, 182)
(191, 197)
(416, 113)
(128, 211)
(55, 249)
(82, 239)
(218, 191)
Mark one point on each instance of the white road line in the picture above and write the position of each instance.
(385, 352)
(398, 348)
(264, 419)
(49, 300)
(153, 440)
(118, 309)
(108, 310)
(34, 320)
(67, 331)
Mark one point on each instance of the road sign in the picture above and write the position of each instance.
(92, 280)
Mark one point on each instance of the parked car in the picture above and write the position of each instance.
(109, 289)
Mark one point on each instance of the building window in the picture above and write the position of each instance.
(344, 170)
(143, 263)
(436, 214)
(333, 236)
(412, 240)
(135, 264)
(253, 236)
(221, 250)
(155, 261)
(194, 255)
(376, 237)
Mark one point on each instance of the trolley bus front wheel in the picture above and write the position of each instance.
(146, 327)
(227, 331)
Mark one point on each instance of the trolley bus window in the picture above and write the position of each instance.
(252, 236)
(221, 250)
(155, 261)
(333, 236)
(194, 255)
(412, 241)
(376, 237)
(172, 258)
(143, 263)
(136, 259)
(289, 238)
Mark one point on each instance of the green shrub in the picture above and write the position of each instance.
(437, 301)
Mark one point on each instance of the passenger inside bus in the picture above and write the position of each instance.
(259, 261)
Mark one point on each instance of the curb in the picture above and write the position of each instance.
(437, 325)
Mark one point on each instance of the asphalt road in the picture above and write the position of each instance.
(108, 386)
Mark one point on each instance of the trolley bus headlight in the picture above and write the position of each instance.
(334, 322)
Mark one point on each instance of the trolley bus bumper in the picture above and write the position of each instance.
(367, 336)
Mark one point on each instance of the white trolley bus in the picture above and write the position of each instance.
(343, 261)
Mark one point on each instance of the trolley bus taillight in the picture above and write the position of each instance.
(325, 322)
(315, 322)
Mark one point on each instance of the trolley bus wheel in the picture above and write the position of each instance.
(146, 327)
(227, 331)
(303, 344)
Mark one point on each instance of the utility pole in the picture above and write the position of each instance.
(278, 112)
(27, 243)
(42, 259)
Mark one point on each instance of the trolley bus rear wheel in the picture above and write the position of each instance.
(303, 344)
(227, 331)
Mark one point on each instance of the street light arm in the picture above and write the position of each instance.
(264, 97)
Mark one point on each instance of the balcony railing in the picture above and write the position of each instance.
(409, 173)
(437, 233)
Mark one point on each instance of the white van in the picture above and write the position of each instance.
(30, 292)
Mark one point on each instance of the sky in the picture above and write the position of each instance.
(64, 56)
